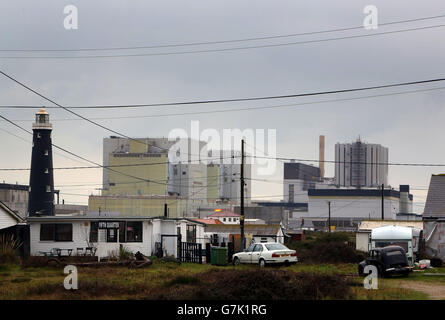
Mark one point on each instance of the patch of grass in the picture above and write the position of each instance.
(184, 280)
(170, 280)
(19, 280)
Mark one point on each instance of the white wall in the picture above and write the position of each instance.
(362, 241)
(6, 220)
(354, 207)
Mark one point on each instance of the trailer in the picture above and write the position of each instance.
(409, 239)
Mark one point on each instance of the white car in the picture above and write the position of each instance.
(266, 253)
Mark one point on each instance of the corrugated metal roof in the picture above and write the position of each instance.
(8, 186)
(435, 200)
(372, 224)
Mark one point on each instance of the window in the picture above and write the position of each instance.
(94, 230)
(224, 219)
(291, 193)
(276, 246)
(56, 232)
(258, 248)
(191, 233)
(134, 231)
(64, 232)
(112, 235)
(250, 248)
(230, 219)
(47, 232)
(116, 231)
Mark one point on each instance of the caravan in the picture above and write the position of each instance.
(407, 238)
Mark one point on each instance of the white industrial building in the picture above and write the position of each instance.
(230, 170)
(361, 164)
(358, 204)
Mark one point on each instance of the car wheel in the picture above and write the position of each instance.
(236, 261)
(262, 263)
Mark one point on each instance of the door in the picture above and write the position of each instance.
(256, 253)
(246, 256)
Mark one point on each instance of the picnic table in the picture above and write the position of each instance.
(56, 252)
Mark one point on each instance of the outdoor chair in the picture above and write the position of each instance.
(55, 252)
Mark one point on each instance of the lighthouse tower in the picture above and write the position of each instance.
(41, 181)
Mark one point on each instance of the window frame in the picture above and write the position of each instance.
(141, 231)
(52, 235)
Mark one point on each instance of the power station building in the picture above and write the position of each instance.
(361, 165)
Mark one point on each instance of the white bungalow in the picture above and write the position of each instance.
(104, 233)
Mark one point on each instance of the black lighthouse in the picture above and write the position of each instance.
(41, 180)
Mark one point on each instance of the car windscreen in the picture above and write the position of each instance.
(276, 246)
(395, 257)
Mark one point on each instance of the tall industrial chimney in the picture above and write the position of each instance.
(321, 156)
(41, 180)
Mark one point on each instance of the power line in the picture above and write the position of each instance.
(238, 109)
(223, 49)
(354, 162)
(80, 116)
(112, 166)
(80, 157)
(198, 102)
(221, 41)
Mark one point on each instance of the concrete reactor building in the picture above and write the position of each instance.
(361, 165)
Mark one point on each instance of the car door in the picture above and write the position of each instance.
(256, 253)
(246, 256)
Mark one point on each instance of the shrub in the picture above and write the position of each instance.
(8, 248)
(327, 248)
(257, 285)
(331, 252)
(124, 253)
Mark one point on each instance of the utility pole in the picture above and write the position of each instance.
(329, 216)
(383, 201)
(241, 222)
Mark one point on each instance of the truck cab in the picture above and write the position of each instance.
(388, 260)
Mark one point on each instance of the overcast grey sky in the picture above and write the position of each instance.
(410, 125)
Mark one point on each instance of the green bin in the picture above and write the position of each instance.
(218, 256)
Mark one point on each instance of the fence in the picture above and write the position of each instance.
(190, 252)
